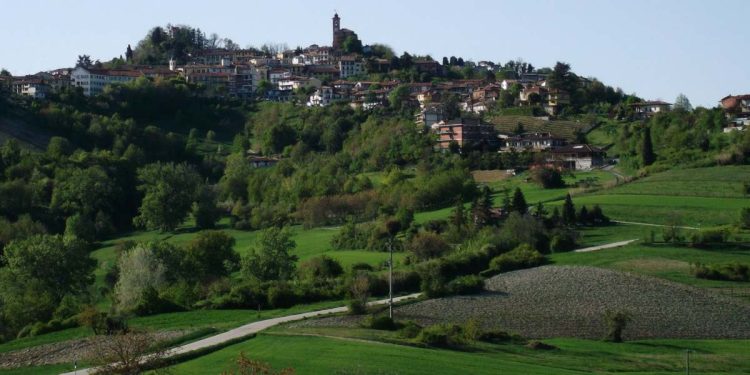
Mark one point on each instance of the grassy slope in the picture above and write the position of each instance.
(692, 197)
(665, 261)
(325, 355)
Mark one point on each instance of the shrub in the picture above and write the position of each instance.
(470, 284)
(548, 178)
(523, 256)
(427, 245)
(361, 266)
(383, 323)
(152, 303)
(563, 240)
(320, 268)
(281, 295)
(728, 272)
(359, 293)
(410, 330)
(498, 337)
(745, 217)
(538, 345)
(616, 323)
(442, 335)
(709, 236)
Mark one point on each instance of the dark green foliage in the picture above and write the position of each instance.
(270, 259)
(563, 240)
(427, 245)
(205, 210)
(525, 229)
(383, 323)
(728, 272)
(745, 217)
(169, 191)
(320, 268)
(281, 295)
(500, 337)
(538, 345)
(548, 178)
(647, 149)
(152, 303)
(706, 237)
(410, 330)
(442, 336)
(469, 284)
(80, 227)
(210, 255)
(518, 204)
(568, 211)
(524, 256)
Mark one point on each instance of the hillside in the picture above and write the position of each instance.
(24, 133)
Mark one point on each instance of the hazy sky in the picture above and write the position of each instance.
(656, 48)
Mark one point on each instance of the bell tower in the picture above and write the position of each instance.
(336, 23)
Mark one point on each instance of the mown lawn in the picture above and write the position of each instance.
(327, 355)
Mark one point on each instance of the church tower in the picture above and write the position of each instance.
(336, 23)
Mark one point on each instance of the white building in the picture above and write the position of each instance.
(34, 87)
(293, 83)
(322, 97)
(93, 81)
(350, 66)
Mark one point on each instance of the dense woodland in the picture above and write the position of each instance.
(156, 154)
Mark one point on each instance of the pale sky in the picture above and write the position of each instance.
(656, 49)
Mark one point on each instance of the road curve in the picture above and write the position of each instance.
(251, 328)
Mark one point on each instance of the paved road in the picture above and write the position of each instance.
(605, 246)
(251, 328)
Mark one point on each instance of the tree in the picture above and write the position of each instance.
(481, 208)
(399, 97)
(81, 227)
(445, 61)
(451, 109)
(682, 103)
(84, 61)
(548, 178)
(169, 191)
(129, 54)
(352, 44)
(647, 148)
(205, 210)
(320, 269)
(141, 270)
(270, 259)
(518, 204)
(60, 266)
(59, 147)
(359, 293)
(210, 254)
(85, 191)
(569, 211)
(427, 245)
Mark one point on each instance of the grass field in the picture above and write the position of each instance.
(329, 355)
(701, 197)
(664, 261)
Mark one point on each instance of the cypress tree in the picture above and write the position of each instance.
(569, 211)
(519, 202)
(583, 216)
(647, 153)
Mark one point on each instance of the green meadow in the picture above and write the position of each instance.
(331, 355)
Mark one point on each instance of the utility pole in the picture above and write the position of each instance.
(390, 278)
(687, 361)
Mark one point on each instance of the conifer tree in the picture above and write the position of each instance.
(569, 211)
(647, 152)
(519, 202)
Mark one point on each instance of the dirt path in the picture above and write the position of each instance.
(252, 328)
(605, 246)
(653, 225)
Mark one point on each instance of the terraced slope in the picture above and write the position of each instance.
(562, 129)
